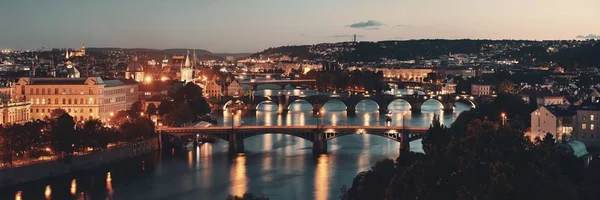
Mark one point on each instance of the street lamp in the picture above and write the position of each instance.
(503, 115)
(319, 117)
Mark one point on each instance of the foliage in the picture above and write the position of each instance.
(478, 158)
(151, 109)
(165, 107)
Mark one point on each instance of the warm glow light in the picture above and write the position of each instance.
(73, 187)
(238, 176)
(148, 79)
(322, 178)
(164, 78)
(109, 187)
(18, 195)
(48, 192)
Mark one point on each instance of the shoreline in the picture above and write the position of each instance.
(29, 173)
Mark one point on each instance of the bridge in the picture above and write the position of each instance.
(311, 83)
(285, 101)
(319, 135)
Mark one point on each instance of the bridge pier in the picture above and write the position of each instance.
(415, 110)
(448, 110)
(236, 144)
(319, 144)
(404, 143)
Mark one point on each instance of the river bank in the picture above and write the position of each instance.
(28, 173)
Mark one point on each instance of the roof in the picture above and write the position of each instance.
(561, 111)
(118, 82)
(57, 81)
(135, 66)
(578, 148)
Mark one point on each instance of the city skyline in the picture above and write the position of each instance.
(244, 26)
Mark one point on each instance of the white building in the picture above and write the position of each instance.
(551, 100)
(135, 70)
(481, 90)
(187, 70)
(555, 120)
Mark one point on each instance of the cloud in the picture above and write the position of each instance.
(369, 25)
(589, 37)
(402, 26)
(346, 36)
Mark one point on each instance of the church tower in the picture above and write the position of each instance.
(82, 50)
(187, 70)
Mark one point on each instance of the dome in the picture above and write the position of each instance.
(135, 66)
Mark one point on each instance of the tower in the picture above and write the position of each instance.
(82, 50)
(187, 70)
(67, 54)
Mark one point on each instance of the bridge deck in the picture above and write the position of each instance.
(288, 129)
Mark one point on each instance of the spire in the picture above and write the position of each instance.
(194, 59)
(67, 54)
(187, 60)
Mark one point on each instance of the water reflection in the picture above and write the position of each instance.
(18, 195)
(109, 187)
(73, 187)
(206, 150)
(367, 105)
(300, 105)
(239, 181)
(48, 192)
(322, 178)
(334, 105)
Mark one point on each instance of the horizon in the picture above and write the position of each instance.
(177, 48)
(202, 24)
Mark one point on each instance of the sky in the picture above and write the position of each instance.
(236, 26)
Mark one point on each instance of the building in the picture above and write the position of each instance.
(551, 100)
(449, 87)
(187, 70)
(558, 121)
(481, 90)
(235, 89)
(406, 74)
(82, 98)
(14, 112)
(79, 53)
(212, 89)
(586, 127)
(135, 70)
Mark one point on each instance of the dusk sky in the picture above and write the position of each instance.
(253, 25)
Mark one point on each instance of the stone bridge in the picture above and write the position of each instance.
(415, 101)
(319, 135)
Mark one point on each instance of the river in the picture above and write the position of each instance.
(273, 165)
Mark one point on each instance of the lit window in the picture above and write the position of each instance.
(583, 126)
(591, 117)
(591, 127)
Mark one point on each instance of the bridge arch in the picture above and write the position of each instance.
(433, 100)
(335, 105)
(466, 101)
(363, 105)
(230, 103)
(267, 105)
(399, 105)
(268, 86)
(300, 105)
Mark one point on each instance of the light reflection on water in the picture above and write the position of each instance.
(275, 165)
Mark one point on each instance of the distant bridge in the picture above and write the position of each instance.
(319, 135)
(281, 83)
(415, 101)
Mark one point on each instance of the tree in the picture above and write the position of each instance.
(165, 107)
(56, 113)
(96, 135)
(436, 138)
(507, 87)
(63, 135)
(135, 110)
(151, 109)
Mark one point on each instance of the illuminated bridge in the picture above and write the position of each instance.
(309, 83)
(319, 135)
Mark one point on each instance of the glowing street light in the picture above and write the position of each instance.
(503, 115)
